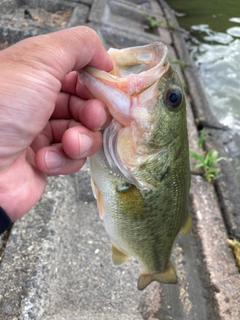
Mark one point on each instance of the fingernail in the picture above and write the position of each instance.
(85, 143)
(53, 160)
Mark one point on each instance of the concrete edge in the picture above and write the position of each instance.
(218, 257)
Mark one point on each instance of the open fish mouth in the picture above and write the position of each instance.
(147, 59)
(131, 93)
(135, 70)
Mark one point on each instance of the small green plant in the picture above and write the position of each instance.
(180, 62)
(208, 162)
(171, 26)
(153, 22)
(235, 245)
(201, 138)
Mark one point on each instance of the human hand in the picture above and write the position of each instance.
(48, 122)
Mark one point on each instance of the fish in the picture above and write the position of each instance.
(141, 176)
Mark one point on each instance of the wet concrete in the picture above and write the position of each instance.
(56, 262)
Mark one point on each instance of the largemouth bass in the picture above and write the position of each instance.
(141, 176)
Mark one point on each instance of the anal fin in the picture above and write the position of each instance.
(118, 257)
(187, 227)
(168, 276)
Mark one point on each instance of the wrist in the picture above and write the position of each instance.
(5, 221)
(11, 203)
(21, 186)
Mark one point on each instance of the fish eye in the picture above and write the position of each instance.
(173, 97)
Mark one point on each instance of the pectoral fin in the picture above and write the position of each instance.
(130, 201)
(168, 276)
(118, 257)
(94, 188)
(187, 227)
(97, 194)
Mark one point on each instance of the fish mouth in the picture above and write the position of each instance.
(143, 60)
(130, 91)
(135, 70)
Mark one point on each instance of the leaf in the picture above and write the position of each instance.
(214, 154)
(198, 165)
(221, 158)
(212, 169)
(201, 138)
(208, 160)
(196, 156)
(153, 22)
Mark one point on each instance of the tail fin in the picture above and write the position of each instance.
(168, 276)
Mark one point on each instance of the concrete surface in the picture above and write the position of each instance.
(56, 263)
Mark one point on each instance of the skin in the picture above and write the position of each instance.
(49, 122)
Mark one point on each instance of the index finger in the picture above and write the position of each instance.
(63, 51)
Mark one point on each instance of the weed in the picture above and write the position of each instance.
(208, 162)
(171, 26)
(153, 22)
(235, 245)
(201, 138)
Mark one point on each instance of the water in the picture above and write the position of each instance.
(214, 44)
